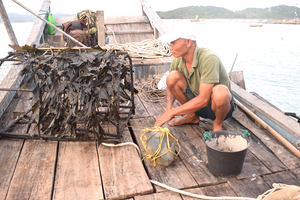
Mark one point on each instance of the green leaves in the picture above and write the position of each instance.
(72, 86)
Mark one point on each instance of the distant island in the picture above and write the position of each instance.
(200, 12)
(211, 12)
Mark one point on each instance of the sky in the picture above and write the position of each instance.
(132, 7)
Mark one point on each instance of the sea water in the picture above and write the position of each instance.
(22, 31)
(269, 56)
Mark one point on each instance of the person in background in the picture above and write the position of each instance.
(198, 80)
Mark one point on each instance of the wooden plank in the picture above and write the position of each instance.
(160, 196)
(296, 172)
(193, 154)
(122, 171)
(281, 123)
(24, 104)
(250, 187)
(109, 20)
(12, 80)
(38, 26)
(154, 109)
(285, 177)
(140, 110)
(238, 78)
(284, 155)
(258, 148)
(154, 18)
(100, 27)
(175, 175)
(77, 174)
(123, 32)
(220, 190)
(9, 155)
(34, 174)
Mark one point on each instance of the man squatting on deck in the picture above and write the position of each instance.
(198, 80)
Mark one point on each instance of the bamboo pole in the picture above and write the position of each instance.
(7, 24)
(286, 143)
(50, 24)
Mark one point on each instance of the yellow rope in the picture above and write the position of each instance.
(164, 132)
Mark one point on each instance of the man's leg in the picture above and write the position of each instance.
(220, 104)
(176, 83)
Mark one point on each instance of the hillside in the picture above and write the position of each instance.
(202, 12)
(208, 12)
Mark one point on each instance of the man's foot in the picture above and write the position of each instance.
(217, 127)
(187, 119)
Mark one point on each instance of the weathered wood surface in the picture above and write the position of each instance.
(176, 175)
(81, 170)
(100, 27)
(10, 152)
(160, 196)
(285, 177)
(212, 191)
(282, 153)
(272, 116)
(38, 26)
(122, 172)
(251, 187)
(34, 173)
(77, 172)
(257, 148)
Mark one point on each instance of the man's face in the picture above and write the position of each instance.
(179, 47)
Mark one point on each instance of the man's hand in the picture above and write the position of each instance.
(163, 119)
(167, 109)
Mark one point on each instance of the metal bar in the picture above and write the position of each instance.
(47, 137)
(17, 90)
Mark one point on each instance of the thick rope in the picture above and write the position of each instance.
(149, 91)
(198, 195)
(144, 49)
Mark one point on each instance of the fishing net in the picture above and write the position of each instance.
(160, 145)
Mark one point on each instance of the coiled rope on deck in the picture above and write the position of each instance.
(145, 49)
(149, 91)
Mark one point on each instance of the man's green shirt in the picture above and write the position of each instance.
(207, 68)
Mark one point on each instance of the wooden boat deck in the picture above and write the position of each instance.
(47, 169)
(44, 169)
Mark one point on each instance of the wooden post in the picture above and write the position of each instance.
(238, 78)
(100, 28)
(7, 25)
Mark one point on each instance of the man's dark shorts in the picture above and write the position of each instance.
(206, 112)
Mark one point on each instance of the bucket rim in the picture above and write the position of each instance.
(234, 133)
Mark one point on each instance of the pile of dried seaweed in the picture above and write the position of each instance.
(72, 86)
